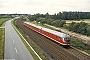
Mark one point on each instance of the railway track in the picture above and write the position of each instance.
(80, 54)
(55, 51)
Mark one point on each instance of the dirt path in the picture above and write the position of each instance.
(83, 38)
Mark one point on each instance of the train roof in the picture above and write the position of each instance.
(63, 35)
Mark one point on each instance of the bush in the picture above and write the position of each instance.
(81, 28)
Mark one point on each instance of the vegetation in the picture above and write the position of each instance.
(63, 16)
(57, 23)
(82, 28)
(78, 21)
(3, 19)
(80, 45)
(1, 43)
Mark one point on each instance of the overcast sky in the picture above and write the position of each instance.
(43, 6)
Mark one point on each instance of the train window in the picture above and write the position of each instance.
(61, 38)
(67, 39)
(52, 34)
(45, 32)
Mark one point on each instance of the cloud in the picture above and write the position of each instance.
(43, 6)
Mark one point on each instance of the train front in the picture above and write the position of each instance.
(66, 40)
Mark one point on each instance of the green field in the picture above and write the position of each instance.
(2, 20)
(78, 21)
(1, 43)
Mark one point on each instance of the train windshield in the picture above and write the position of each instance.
(67, 39)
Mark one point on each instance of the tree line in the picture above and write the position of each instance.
(64, 15)
(82, 28)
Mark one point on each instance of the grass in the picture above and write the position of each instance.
(33, 46)
(80, 45)
(2, 20)
(2, 43)
(2, 35)
(78, 21)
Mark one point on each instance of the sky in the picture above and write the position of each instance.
(43, 6)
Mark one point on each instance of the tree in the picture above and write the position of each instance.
(58, 23)
(47, 15)
(79, 28)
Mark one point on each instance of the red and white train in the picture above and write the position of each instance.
(61, 38)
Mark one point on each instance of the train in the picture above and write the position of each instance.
(59, 37)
